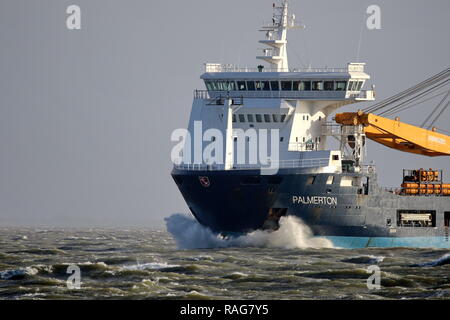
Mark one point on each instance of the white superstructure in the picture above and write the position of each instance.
(297, 102)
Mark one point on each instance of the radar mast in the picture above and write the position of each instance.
(276, 38)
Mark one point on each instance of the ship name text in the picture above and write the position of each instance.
(332, 201)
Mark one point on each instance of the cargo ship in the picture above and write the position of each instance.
(232, 187)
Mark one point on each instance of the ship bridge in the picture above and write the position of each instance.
(307, 83)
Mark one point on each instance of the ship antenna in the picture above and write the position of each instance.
(276, 37)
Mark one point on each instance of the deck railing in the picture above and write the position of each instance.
(215, 67)
(282, 164)
(322, 95)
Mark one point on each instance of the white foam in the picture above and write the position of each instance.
(9, 274)
(377, 259)
(292, 234)
(150, 266)
(89, 263)
(20, 238)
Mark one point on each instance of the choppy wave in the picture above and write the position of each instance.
(18, 274)
(149, 265)
(370, 259)
(39, 251)
(354, 273)
(292, 234)
(445, 259)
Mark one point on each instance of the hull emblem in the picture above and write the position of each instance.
(204, 181)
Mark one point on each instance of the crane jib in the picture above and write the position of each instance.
(398, 135)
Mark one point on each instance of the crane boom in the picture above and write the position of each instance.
(398, 135)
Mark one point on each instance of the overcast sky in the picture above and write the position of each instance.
(86, 115)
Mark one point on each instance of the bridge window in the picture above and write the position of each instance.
(274, 85)
(231, 86)
(241, 86)
(219, 85)
(250, 85)
(262, 85)
(317, 85)
(250, 118)
(283, 117)
(267, 117)
(340, 85)
(305, 86)
(328, 85)
(353, 86)
(286, 85)
(275, 117)
(241, 118)
(212, 86)
(265, 85)
(258, 118)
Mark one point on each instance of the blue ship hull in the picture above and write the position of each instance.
(356, 216)
(388, 242)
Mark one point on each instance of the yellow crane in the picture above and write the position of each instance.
(398, 135)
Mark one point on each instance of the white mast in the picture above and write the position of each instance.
(229, 146)
(276, 38)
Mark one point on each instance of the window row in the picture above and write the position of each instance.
(345, 181)
(310, 141)
(320, 85)
(251, 118)
(354, 85)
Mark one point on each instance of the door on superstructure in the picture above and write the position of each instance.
(447, 219)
